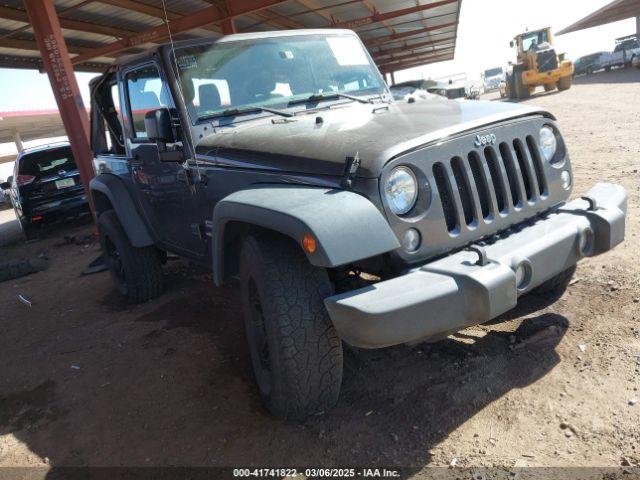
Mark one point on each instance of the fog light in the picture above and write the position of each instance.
(411, 240)
(523, 275)
(566, 179)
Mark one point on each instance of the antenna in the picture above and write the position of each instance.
(179, 85)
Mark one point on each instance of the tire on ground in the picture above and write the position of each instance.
(522, 91)
(295, 350)
(548, 87)
(137, 272)
(556, 286)
(29, 231)
(565, 83)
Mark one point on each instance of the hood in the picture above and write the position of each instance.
(319, 143)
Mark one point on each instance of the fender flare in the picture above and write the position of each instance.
(347, 227)
(116, 191)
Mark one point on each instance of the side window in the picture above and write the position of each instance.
(146, 92)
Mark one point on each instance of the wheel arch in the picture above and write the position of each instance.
(343, 235)
(110, 193)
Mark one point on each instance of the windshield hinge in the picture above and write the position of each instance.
(351, 166)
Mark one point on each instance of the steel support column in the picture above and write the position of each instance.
(57, 63)
(229, 27)
(18, 141)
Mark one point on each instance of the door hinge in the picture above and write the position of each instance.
(201, 230)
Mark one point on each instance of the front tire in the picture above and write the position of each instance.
(295, 351)
(548, 87)
(137, 272)
(565, 83)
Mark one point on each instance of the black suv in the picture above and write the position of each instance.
(46, 186)
(281, 159)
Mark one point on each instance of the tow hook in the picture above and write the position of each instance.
(483, 260)
(593, 205)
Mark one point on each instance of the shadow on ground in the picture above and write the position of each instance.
(172, 386)
(617, 75)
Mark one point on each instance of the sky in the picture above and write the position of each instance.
(486, 27)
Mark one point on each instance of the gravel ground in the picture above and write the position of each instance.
(87, 380)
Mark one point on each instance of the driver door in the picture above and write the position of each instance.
(164, 188)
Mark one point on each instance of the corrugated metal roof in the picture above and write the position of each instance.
(419, 36)
(613, 12)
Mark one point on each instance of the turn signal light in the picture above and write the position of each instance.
(309, 243)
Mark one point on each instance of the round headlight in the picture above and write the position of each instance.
(548, 143)
(401, 190)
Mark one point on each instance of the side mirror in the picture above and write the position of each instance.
(411, 100)
(5, 186)
(159, 127)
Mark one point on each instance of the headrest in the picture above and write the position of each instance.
(209, 97)
(146, 100)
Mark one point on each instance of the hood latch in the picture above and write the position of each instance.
(351, 166)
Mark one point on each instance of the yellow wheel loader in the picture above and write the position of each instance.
(537, 64)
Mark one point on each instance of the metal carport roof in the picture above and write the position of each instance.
(398, 33)
(613, 12)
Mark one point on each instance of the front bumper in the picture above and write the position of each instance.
(533, 78)
(458, 291)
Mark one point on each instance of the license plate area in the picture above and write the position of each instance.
(65, 183)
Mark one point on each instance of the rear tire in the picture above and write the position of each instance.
(30, 232)
(556, 286)
(295, 351)
(137, 272)
(565, 83)
(522, 91)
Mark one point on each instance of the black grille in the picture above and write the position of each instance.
(486, 183)
(547, 61)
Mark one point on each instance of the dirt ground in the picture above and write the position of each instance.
(86, 379)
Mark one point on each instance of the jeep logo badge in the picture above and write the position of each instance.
(483, 140)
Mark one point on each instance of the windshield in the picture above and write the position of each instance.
(532, 39)
(493, 72)
(233, 76)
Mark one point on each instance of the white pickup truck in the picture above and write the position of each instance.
(627, 49)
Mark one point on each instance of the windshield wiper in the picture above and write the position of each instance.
(316, 97)
(233, 112)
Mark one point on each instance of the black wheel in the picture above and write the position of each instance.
(607, 69)
(522, 91)
(565, 83)
(548, 87)
(30, 231)
(295, 351)
(556, 286)
(511, 87)
(137, 272)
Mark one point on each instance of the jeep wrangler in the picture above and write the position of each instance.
(280, 158)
